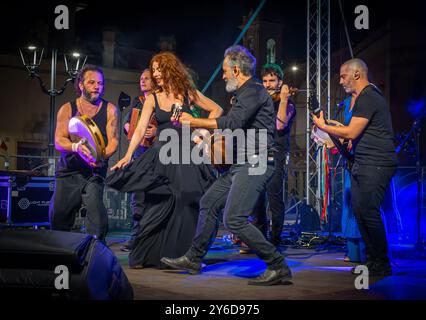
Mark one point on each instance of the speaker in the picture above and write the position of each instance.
(59, 265)
(309, 218)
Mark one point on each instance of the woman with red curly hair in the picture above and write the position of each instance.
(172, 191)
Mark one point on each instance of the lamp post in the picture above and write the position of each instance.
(31, 59)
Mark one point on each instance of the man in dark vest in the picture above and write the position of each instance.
(79, 182)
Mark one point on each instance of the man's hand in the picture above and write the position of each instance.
(150, 132)
(285, 92)
(84, 152)
(184, 117)
(319, 121)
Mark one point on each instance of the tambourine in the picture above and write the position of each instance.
(83, 130)
(321, 137)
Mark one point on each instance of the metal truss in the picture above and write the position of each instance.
(318, 83)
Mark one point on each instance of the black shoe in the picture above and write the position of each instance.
(182, 263)
(271, 277)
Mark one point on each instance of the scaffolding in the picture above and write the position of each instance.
(318, 83)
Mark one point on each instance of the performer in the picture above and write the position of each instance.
(370, 130)
(237, 191)
(172, 191)
(138, 197)
(272, 78)
(355, 246)
(78, 182)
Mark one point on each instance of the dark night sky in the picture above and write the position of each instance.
(203, 29)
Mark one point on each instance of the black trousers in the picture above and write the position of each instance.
(138, 199)
(73, 191)
(274, 192)
(368, 187)
(237, 192)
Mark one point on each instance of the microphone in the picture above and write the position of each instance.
(176, 110)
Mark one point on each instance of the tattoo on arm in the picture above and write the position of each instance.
(114, 126)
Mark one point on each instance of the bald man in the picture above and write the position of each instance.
(370, 130)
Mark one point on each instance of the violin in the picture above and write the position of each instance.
(276, 94)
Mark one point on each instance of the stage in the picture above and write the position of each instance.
(317, 275)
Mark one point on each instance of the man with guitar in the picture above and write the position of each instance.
(145, 83)
(374, 159)
(237, 191)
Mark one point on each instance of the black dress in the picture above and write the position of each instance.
(173, 192)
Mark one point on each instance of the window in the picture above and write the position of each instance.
(271, 51)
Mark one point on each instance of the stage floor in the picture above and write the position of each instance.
(317, 275)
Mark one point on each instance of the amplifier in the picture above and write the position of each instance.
(24, 200)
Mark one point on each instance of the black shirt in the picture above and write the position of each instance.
(375, 145)
(253, 109)
(282, 137)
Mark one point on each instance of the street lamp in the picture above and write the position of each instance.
(31, 58)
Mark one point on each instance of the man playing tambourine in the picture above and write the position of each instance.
(80, 173)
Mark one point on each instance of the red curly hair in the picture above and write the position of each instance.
(176, 77)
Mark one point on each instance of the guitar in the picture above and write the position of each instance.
(215, 149)
(315, 108)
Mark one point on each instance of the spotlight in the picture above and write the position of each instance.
(294, 68)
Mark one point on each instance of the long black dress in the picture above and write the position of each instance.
(172, 194)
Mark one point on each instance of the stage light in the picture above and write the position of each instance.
(294, 68)
(76, 55)
(417, 108)
(32, 47)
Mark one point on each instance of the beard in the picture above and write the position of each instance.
(231, 84)
(91, 97)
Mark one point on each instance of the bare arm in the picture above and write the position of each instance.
(351, 131)
(285, 110)
(62, 137)
(215, 111)
(111, 130)
(142, 126)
